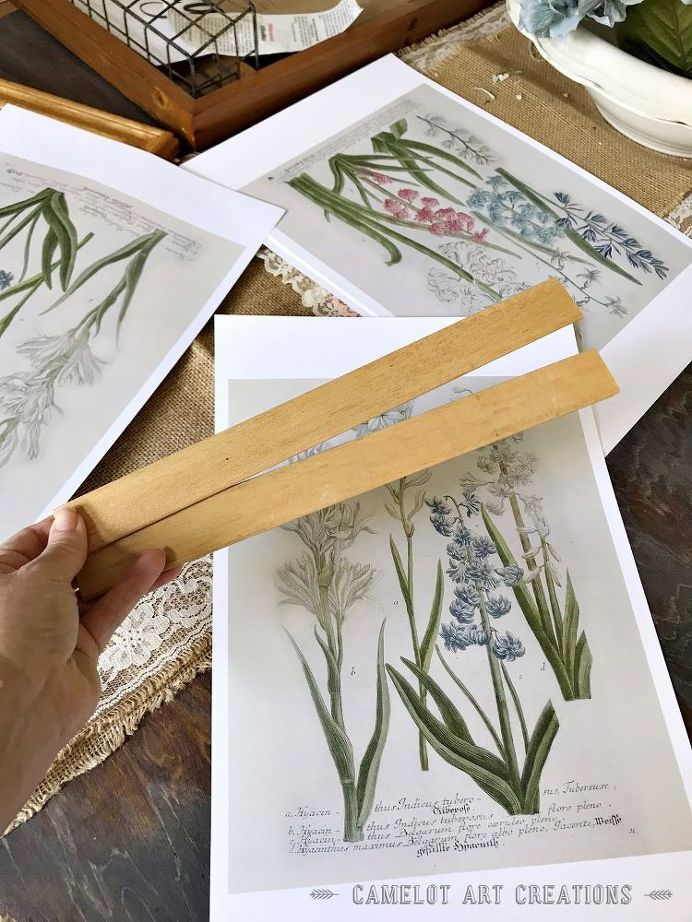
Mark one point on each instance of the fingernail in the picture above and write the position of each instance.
(65, 519)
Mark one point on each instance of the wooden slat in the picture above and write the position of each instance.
(155, 140)
(358, 466)
(183, 479)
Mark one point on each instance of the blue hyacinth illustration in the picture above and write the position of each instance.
(478, 578)
(551, 612)
(477, 604)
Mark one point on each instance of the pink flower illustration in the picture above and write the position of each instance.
(425, 215)
(397, 209)
(429, 202)
(381, 178)
(481, 235)
(410, 195)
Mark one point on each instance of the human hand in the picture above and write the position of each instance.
(50, 644)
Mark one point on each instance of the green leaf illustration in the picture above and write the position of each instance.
(370, 763)
(448, 710)
(337, 741)
(338, 174)
(582, 668)
(16, 207)
(572, 234)
(517, 704)
(444, 155)
(125, 252)
(456, 752)
(521, 592)
(133, 273)
(370, 223)
(57, 217)
(409, 159)
(429, 638)
(474, 703)
(531, 613)
(50, 245)
(12, 233)
(332, 665)
(536, 756)
(401, 573)
(30, 286)
(570, 627)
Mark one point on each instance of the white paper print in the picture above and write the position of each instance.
(405, 200)
(452, 674)
(99, 294)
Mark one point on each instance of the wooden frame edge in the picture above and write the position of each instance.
(211, 118)
(146, 137)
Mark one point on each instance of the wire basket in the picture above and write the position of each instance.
(198, 44)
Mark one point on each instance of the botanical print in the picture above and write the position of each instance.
(448, 215)
(326, 583)
(421, 669)
(95, 289)
(407, 498)
(42, 224)
(536, 583)
(476, 607)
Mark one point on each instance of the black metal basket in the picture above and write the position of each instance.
(197, 44)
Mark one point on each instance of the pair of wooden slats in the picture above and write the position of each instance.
(208, 496)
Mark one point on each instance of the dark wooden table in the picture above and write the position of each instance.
(129, 841)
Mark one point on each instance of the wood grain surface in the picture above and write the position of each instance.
(129, 841)
(222, 112)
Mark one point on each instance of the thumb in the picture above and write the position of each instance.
(66, 549)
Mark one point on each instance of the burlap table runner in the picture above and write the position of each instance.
(167, 639)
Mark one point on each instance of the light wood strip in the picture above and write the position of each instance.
(341, 473)
(202, 470)
(146, 137)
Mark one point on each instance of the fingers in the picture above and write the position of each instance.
(66, 549)
(25, 546)
(167, 577)
(106, 615)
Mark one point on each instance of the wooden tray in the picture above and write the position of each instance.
(383, 27)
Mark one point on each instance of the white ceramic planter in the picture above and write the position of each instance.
(643, 102)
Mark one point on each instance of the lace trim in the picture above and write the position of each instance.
(161, 630)
(681, 216)
(435, 49)
(315, 298)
